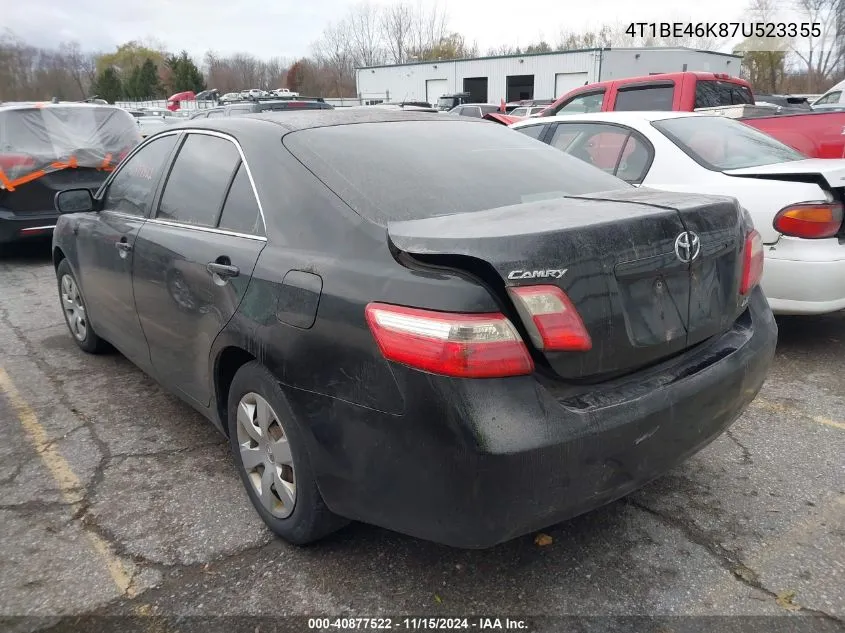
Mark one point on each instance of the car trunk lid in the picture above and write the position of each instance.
(613, 255)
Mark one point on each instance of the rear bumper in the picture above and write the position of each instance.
(473, 463)
(14, 227)
(805, 276)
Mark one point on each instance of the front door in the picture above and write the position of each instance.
(106, 241)
(194, 259)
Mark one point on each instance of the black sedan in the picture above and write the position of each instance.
(422, 322)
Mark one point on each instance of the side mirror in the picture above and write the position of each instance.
(74, 201)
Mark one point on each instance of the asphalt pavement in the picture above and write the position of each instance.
(117, 499)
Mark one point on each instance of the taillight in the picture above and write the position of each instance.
(463, 345)
(752, 262)
(552, 321)
(811, 221)
(11, 161)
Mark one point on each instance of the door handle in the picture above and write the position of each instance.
(123, 246)
(224, 271)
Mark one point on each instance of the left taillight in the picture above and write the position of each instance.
(752, 262)
(460, 345)
(810, 220)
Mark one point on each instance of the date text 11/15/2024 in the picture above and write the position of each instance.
(725, 29)
(418, 624)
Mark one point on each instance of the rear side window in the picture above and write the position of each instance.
(534, 131)
(643, 99)
(417, 169)
(240, 212)
(199, 179)
(132, 188)
(216, 113)
(715, 94)
(591, 102)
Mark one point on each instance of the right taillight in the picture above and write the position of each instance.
(550, 318)
(810, 221)
(752, 262)
(461, 345)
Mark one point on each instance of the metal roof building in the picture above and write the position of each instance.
(530, 76)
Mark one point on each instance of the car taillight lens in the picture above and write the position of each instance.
(463, 345)
(752, 262)
(811, 221)
(552, 321)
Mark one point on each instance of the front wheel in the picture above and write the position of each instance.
(269, 451)
(76, 313)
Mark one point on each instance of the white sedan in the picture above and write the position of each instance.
(796, 202)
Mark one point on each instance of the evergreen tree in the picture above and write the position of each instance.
(184, 74)
(107, 86)
(147, 84)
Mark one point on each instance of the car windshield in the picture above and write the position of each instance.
(445, 103)
(519, 112)
(719, 143)
(416, 169)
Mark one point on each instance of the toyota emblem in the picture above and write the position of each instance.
(687, 246)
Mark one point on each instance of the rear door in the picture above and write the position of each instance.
(105, 241)
(194, 258)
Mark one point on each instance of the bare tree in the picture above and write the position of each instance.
(822, 55)
(334, 51)
(429, 28)
(364, 23)
(397, 23)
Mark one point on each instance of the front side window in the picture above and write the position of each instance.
(719, 143)
(133, 186)
(202, 171)
(644, 99)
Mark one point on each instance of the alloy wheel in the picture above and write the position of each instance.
(266, 455)
(73, 308)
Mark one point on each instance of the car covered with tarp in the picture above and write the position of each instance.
(47, 147)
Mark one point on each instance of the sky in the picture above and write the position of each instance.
(287, 28)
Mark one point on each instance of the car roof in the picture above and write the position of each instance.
(27, 105)
(293, 120)
(629, 118)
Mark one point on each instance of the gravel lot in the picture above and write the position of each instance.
(115, 498)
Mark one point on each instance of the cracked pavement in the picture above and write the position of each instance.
(127, 502)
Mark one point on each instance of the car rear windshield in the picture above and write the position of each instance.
(56, 132)
(719, 143)
(418, 169)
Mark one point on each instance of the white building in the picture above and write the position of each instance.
(530, 76)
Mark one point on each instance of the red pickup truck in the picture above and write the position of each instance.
(815, 134)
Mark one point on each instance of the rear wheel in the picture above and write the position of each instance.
(75, 312)
(269, 450)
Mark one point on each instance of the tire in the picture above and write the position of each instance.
(73, 306)
(301, 516)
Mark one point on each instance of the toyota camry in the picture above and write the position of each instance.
(426, 323)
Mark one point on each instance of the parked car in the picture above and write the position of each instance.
(263, 105)
(46, 147)
(834, 96)
(795, 202)
(816, 134)
(786, 103)
(402, 327)
(526, 111)
(447, 102)
(284, 92)
(477, 110)
(416, 106)
(230, 97)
